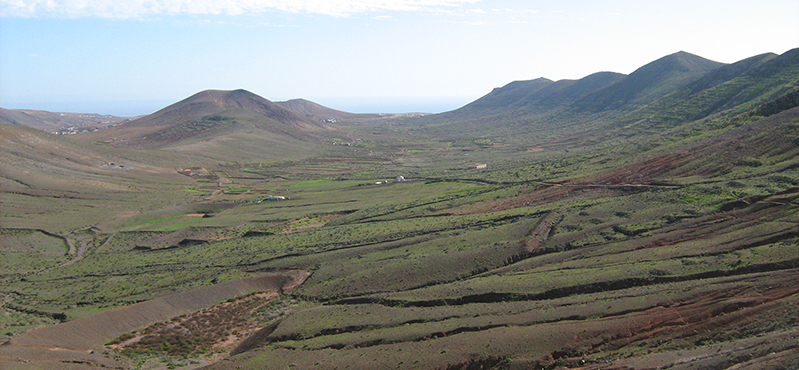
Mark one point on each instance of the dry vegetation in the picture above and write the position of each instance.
(215, 328)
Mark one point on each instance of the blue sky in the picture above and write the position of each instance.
(130, 57)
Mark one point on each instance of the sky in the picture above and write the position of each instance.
(133, 57)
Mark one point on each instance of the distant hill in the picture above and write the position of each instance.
(211, 119)
(321, 113)
(208, 104)
(57, 121)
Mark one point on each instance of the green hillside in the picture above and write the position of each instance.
(733, 88)
(649, 83)
(509, 95)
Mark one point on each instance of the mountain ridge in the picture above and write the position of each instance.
(660, 95)
(649, 82)
(596, 93)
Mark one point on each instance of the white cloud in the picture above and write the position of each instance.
(473, 23)
(140, 8)
(522, 11)
(455, 12)
(273, 25)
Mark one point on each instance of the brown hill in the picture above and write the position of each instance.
(321, 113)
(222, 126)
(210, 102)
(213, 114)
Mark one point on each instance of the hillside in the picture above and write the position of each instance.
(57, 121)
(648, 83)
(735, 88)
(58, 159)
(537, 96)
(40, 168)
(511, 94)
